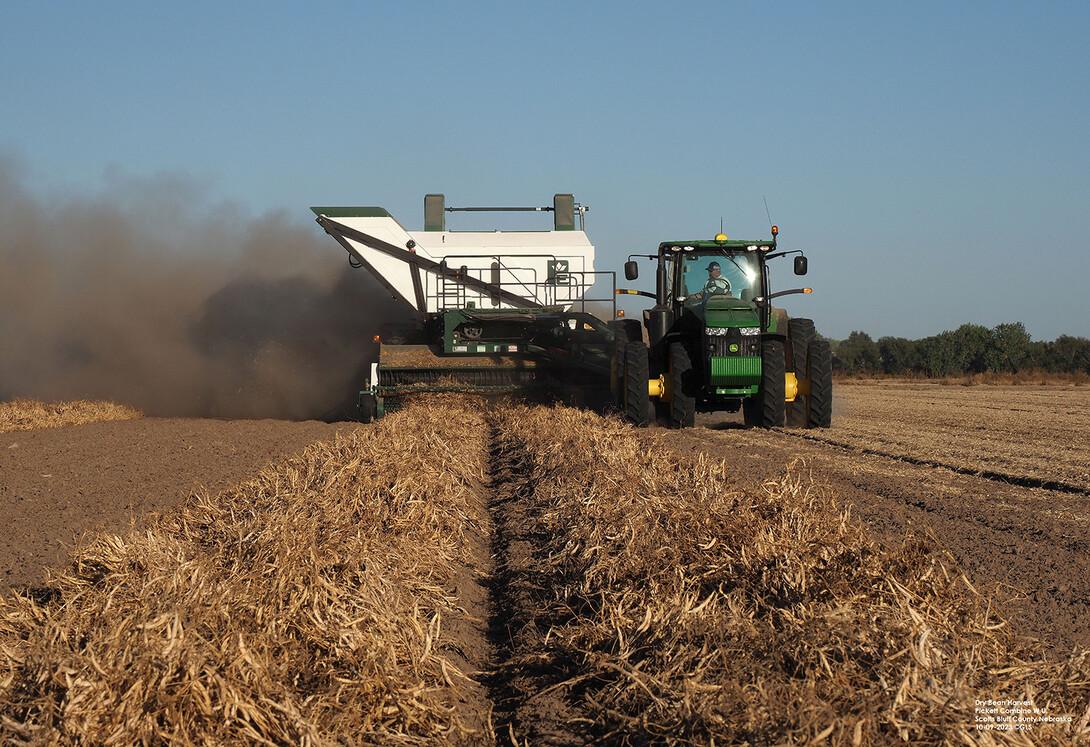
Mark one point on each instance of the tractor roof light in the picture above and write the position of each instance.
(751, 248)
(688, 248)
(775, 230)
(721, 237)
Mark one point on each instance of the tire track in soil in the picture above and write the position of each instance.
(1029, 545)
(1006, 478)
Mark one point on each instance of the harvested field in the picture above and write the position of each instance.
(546, 575)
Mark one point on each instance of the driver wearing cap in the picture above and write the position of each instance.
(717, 285)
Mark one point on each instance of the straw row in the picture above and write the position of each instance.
(29, 414)
(663, 603)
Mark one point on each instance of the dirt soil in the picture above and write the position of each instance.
(57, 484)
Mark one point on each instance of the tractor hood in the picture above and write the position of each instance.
(726, 311)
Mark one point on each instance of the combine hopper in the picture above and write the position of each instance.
(491, 312)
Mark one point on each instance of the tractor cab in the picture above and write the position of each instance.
(698, 273)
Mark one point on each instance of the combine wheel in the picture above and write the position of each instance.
(368, 409)
(766, 408)
(820, 402)
(636, 398)
(800, 333)
(683, 402)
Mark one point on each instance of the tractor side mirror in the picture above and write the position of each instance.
(800, 265)
(631, 270)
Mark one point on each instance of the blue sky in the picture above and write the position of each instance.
(931, 158)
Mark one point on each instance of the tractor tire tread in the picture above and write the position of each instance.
(820, 366)
(636, 398)
(683, 402)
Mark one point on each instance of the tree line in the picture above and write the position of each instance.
(969, 349)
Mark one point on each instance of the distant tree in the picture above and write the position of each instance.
(1011, 347)
(897, 355)
(1038, 356)
(973, 344)
(971, 348)
(1067, 354)
(939, 354)
(858, 354)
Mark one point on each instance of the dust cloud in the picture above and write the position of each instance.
(148, 295)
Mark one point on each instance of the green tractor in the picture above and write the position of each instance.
(715, 343)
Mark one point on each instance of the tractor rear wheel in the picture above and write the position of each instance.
(800, 333)
(766, 408)
(636, 397)
(820, 368)
(683, 400)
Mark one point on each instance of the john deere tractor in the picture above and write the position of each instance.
(715, 342)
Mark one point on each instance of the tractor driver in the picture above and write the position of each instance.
(717, 285)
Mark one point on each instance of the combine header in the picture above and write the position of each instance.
(505, 311)
(488, 311)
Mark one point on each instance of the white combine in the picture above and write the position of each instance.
(486, 311)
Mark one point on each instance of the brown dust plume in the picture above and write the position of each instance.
(150, 296)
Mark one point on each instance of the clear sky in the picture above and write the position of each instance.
(932, 158)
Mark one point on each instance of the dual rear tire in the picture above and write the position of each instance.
(800, 333)
(819, 369)
(811, 360)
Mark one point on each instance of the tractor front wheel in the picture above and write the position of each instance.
(683, 401)
(766, 408)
